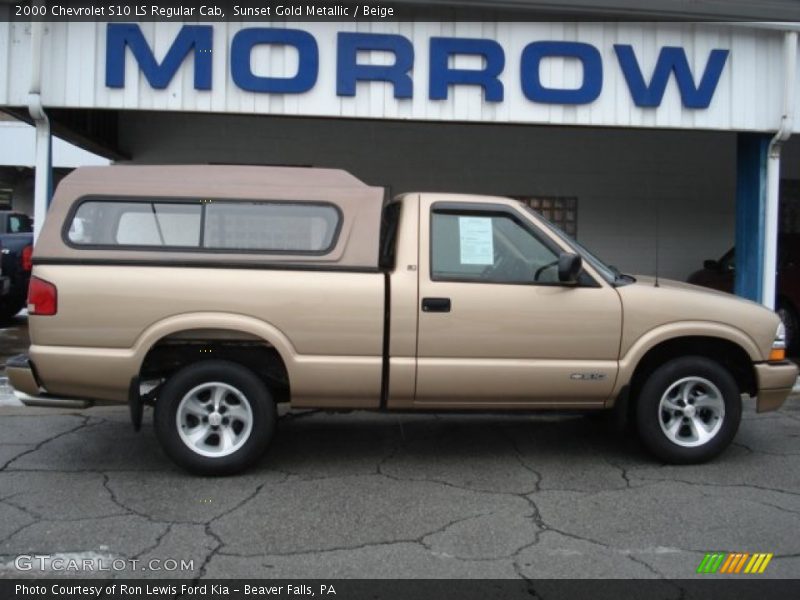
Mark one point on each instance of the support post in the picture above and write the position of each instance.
(770, 267)
(43, 179)
(751, 200)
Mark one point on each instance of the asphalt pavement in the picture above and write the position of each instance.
(380, 496)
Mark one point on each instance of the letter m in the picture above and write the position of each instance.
(671, 60)
(191, 37)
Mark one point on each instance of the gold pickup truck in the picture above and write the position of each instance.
(215, 292)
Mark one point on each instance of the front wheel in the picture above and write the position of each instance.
(689, 410)
(214, 417)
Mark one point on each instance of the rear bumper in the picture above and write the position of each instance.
(775, 382)
(22, 376)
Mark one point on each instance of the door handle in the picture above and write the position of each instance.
(436, 305)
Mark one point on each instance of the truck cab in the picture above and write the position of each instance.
(502, 305)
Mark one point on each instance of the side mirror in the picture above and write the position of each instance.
(711, 265)
(569, 267)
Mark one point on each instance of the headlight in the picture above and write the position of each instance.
(778, 351)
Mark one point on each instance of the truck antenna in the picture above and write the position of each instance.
(658, 234)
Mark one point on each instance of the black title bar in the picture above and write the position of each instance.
(392, 10)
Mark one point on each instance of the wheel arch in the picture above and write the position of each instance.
(725, 352)
(245, 340)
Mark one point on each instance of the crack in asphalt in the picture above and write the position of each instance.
(7, 538)
(85, 419)
(220, 543)
(607, 546)
(751, 450)
(521, 460)
(374, 544)
(113, 497)
(623, 472)
(747, 448)
(433, 480)
(156, 543)
(40, 517)
(38, 521)
(380, 470)
(771, 505)
(720, 485)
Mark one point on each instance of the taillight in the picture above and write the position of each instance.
(42, 297)
(27, 258)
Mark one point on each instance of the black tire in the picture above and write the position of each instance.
(790, 321)
(214, 375)
(709, 384)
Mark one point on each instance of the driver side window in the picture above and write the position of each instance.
(488, 248)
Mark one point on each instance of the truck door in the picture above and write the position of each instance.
(496, 329)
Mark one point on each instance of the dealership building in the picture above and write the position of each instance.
(656, 143)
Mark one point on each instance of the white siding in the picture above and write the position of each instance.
(18, 149)
(747, 98)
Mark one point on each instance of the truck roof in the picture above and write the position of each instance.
(162, 177)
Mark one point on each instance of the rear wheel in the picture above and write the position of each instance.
(689, 410)
(214, 417)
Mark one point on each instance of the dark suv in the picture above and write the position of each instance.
(720, 275)
(16, 249)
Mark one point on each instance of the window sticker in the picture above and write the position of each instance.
(476, 240)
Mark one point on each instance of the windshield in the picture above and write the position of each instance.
(610, 274)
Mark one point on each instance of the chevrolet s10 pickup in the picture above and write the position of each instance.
(215, 292)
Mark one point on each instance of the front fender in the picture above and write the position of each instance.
(674, 331)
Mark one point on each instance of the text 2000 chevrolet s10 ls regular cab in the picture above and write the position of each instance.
(215, 292)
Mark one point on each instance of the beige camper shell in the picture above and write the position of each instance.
(360, 206)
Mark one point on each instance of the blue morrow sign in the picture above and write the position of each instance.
(696, 89)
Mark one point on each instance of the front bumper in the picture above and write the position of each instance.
(775, 382)
(22, 376)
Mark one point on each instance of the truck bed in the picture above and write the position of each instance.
(328, 324)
